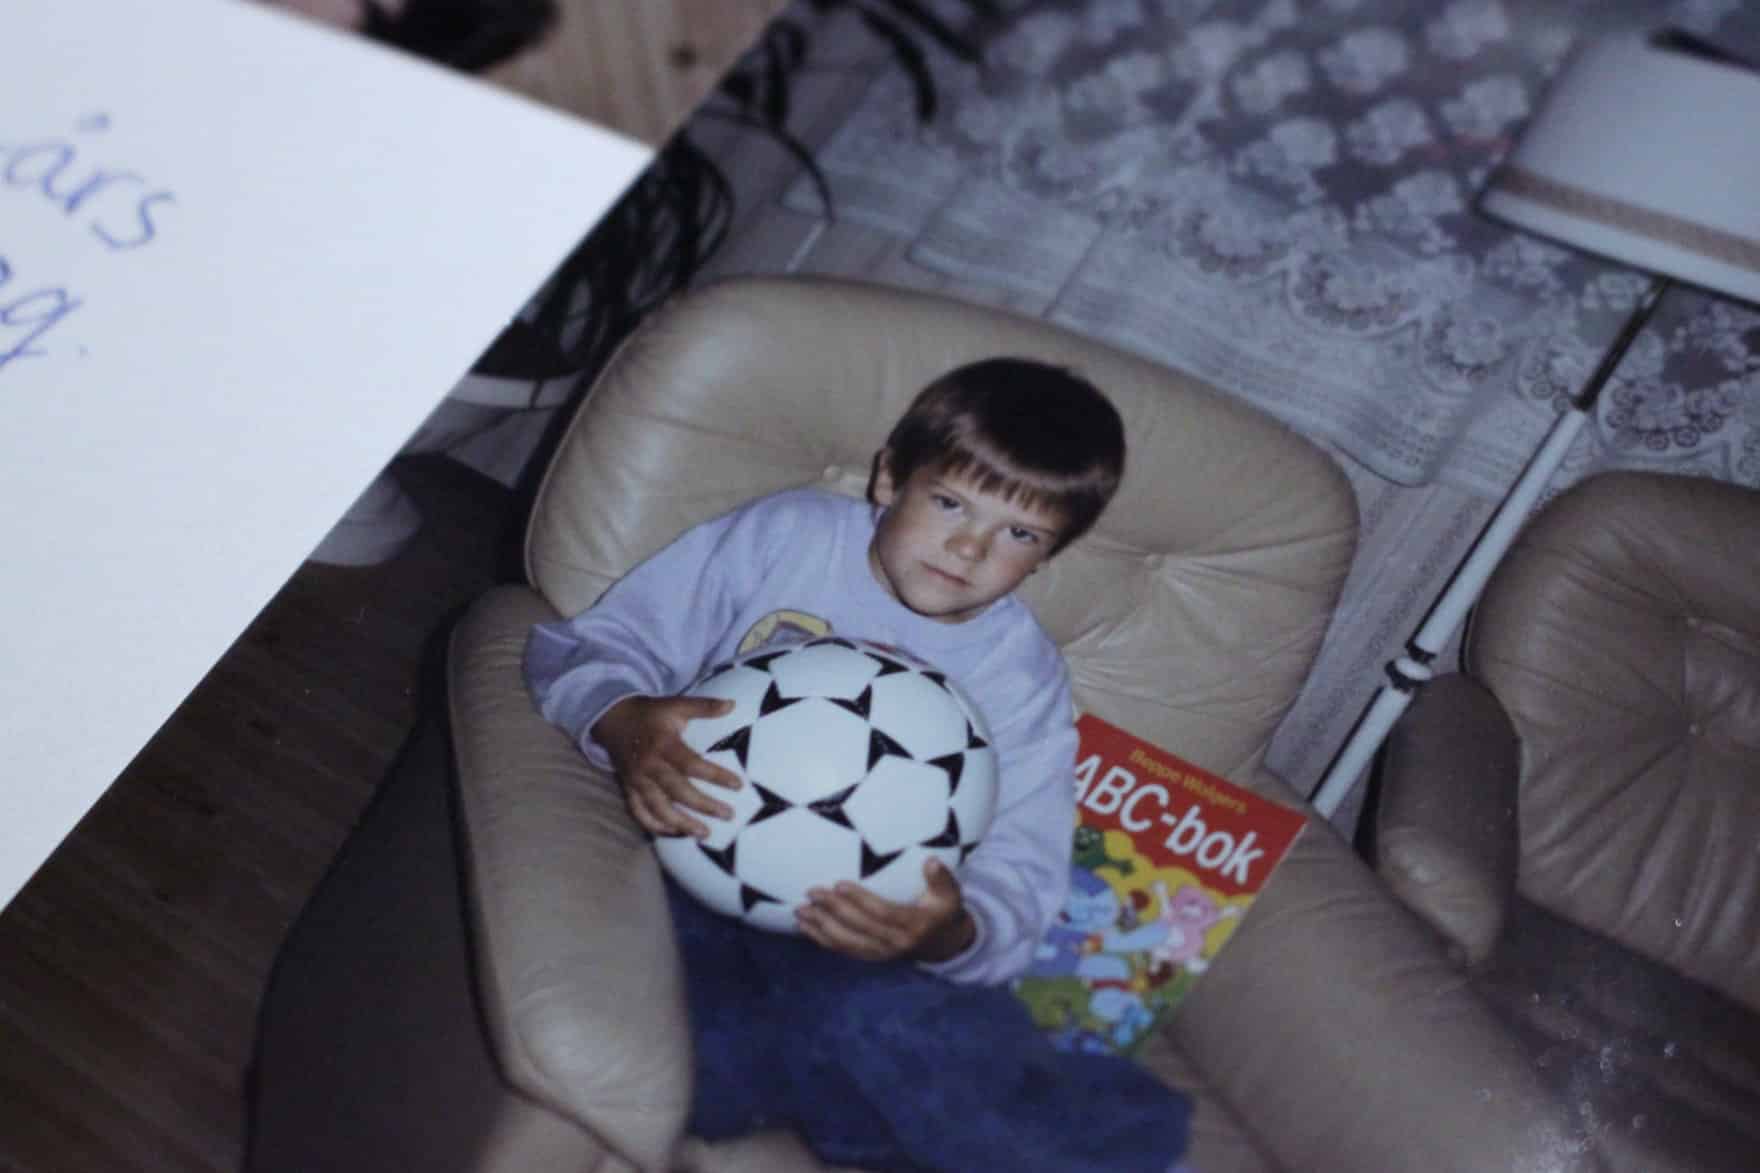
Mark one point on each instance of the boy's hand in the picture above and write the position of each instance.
(657, 769)
(851, 920)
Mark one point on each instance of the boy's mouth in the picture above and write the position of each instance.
(937, 572)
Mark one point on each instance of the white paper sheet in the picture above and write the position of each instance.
(242, 257)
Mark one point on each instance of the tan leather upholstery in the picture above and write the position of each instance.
(1333, 1033)
(1581, 813)
(1624, 641)
(613, 1055)
(1190, 614)
(1226, 546)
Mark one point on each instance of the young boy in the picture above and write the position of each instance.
(885, 1033)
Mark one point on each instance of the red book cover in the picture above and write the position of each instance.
(1168, 857)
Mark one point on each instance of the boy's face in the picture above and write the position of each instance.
(947, 550)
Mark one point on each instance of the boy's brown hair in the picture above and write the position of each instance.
(1031, 432)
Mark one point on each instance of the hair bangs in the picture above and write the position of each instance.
(985, 473)
(1033, 434)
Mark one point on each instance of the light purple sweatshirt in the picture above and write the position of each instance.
(794, 565)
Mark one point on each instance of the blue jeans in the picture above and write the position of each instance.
(885, 1066)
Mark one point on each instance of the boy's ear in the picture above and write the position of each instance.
(881, 487)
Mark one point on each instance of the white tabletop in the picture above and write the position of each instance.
(241, 258)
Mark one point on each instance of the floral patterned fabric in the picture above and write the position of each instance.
(1278, 196)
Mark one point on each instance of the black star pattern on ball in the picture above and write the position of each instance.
(721, 857)
(770, 803)
(774, 701)
(862, 706)
(738, 743)
(882, 746)
(873, 861)
(762, 662)
(830, 807)
(750, 898)
(954, 766)
(949, 836)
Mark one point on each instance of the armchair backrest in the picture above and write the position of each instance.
(1190, 615)
(1622, 636)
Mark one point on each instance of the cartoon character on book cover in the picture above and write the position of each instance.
(1167, 858)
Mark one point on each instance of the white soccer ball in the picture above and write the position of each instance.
(860, 763)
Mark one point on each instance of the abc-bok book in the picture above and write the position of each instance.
(1168, 858)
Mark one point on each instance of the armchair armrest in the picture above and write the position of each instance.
(1445, 830)
(1335, 1027)
(576, 968)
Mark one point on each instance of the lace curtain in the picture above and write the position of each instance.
(1279, 197)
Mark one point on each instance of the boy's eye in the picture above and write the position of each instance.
(1026, 536)
(943, 501)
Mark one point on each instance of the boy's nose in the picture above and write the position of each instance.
(963, 543)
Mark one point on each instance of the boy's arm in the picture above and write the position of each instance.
(650, 633)
(1016, 881)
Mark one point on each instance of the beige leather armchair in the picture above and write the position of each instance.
(525, 1011)
(1579, 813)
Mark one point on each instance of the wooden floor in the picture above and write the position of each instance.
(132, 964)
(637, 65)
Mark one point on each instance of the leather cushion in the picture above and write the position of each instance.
(1190, 615)
(1622, 635)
